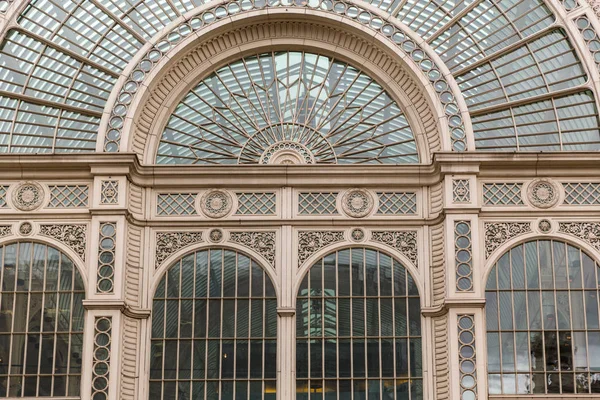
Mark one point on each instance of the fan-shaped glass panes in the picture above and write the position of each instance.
(319, 109)
(41, 322)
(358, 329)
(214, 329)
(543, 332)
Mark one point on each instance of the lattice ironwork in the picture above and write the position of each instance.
(68, 196)
(339, 114)
(110, 192)
(461, 192)
(397, 203)
(317, 203)
(3, 190)
(256, 203)
(582, 193)
(176, 204)
(502, 194)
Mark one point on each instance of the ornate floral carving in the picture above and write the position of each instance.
(5, 230)
(73, 236)
(215, 236)
(309, 242)
(216, 203)
(587, 231)
(261, 242)
(357, 203)
(28, 196)
(357, 234)
(403, 241)
(168, 243)
(542, 193)
(25, 228)
(545, 226)
(498, 233)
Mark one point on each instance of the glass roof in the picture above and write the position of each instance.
(60, 62)
(335, 112)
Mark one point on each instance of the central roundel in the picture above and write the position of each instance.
(290, 108)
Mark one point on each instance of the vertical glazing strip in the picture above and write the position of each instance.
(467, 357)
(101, 357)
(463, 255)
(106, 257)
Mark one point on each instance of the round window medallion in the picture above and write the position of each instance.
(28, 196)
(544, 226)
(357, 203)
(357, 234)
(216, 235)
(287, 153)
(542, 193)
(216, 203)
(25, 228)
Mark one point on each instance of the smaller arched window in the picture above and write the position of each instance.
(358, 332)
(214, 330)
(41, 322)
(543, 330)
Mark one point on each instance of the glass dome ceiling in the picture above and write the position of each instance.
(522, 80)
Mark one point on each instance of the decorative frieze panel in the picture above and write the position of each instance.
(106, 257)
(502, 194)
(109, 192)
(101, 358)
(317, 203)
(5, 230)
(397, 203)
(309, 242)
(498, 233)
(403, 241)
(176, 204)
(587, 231)
(73, 235)
(168, 243)
(261, 242)
(581, 193)
(461, 192)
(463, 256)
(68, 196)
(256, 203)
(467, 357)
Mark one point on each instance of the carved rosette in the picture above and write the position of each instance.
(261, 242)
(498, 233)
(73, 236)
(587, 231)
(357, 235)
(216, 203)
(25, 229)
(215, 235)
(28, 196)
(545, 226)
(309, 242)
(403, 241)
(542, 193)
(168, 243)
(357, 203)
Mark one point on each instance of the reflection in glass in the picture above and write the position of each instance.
(41, 327)
(381, 353)
(214, 329)
(542, 333)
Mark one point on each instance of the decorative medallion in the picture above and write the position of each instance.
(357, 203)
(25, 228)
(287, 153)
(357, 234)
(261, 242)
(542, 193)
(215, 236)
(310, 242)
(403, 241)
(73, 236)
(545, 226)
(498, 233)
(168, 243)
(28, 196)
(587, 231)
(216, 203)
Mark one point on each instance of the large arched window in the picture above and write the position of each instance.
(358, 329)
(41, 322)
(214, 329)
(543, 332)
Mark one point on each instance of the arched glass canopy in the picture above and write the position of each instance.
(543, 330)
(319, 108)
(522, 80)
